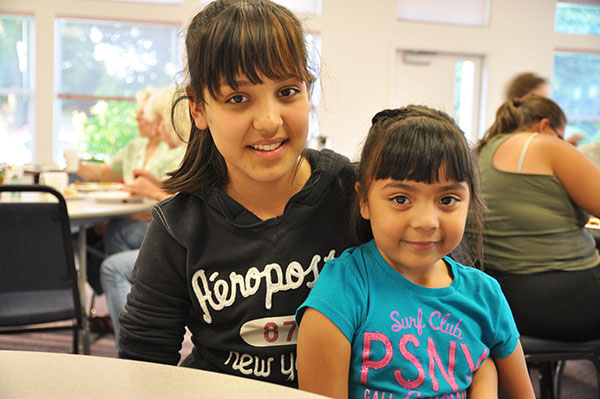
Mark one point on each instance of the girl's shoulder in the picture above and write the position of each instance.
(329, 161)
(473, 277)
(182, 206)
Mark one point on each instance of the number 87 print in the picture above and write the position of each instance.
(270, 331)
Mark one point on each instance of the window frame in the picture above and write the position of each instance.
(60, 95)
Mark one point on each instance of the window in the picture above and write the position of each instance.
(458, 12)
(577, 18)
(313, 43)
(16, 89)
(464, 95)
(576, 88)
(175, 2)
(308, 7)
(576, 76)
(100, 67)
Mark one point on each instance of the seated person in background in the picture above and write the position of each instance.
(115, 273)
(529, 83)
(137, 154)
(116, 268)
(127, 233)
(539, 190)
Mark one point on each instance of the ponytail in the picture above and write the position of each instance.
(508, 119)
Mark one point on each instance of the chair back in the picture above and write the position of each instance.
(38, 278)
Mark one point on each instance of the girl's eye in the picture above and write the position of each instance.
(289, 91)
(237, 99)
(448, 201)
(400, 199)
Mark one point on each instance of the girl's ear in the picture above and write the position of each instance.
(364, 206)
(542, 125)
(197, 110)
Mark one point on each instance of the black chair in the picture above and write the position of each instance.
(549, 358)
(38, 279)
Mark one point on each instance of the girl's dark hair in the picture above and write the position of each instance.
(228, 38)
(414, 143)
(514, 115)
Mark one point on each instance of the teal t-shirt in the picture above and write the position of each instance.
(132, 157)
(408, 340)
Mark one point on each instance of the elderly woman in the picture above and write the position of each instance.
(116, 268)
(127, 233)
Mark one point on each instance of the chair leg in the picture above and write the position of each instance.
(76, 339)
(596, 362)
(558, 372)
(546, 381)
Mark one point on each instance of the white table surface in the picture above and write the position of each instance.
(88, 210)
(25, 375)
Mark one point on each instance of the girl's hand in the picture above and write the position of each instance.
(144, 187)
(144, 173)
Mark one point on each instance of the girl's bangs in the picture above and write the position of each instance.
(255, 41)
(423, 144)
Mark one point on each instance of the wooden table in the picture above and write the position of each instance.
(25, 375)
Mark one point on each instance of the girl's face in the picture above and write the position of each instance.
(416, 224)
(260, 129)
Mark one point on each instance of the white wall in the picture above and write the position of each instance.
(359, 39)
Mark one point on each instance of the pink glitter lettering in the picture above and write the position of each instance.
(407, 322)
(413, 360)
(434, 359)
(444, 326)
(370, 364)
(467, 354)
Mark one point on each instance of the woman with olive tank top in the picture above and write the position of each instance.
(539, 191)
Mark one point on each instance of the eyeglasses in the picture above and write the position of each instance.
(559, 133)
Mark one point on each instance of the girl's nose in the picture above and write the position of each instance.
(425, 217)
(267, 118)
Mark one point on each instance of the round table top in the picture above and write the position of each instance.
(59, 375)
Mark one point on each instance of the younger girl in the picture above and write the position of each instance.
(397, 317)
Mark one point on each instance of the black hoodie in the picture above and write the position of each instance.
(234, 280)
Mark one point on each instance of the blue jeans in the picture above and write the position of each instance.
(114, 277)
(123, 234)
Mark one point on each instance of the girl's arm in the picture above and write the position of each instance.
(91, 172)
(323, 356)
(145, 187)
(513, 375)
(579, 176)
(485, 381)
